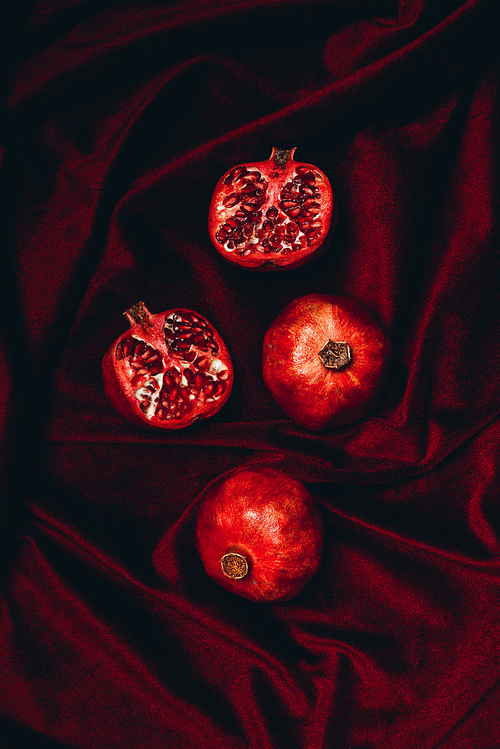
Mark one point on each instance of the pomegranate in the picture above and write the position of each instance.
(325, 360)
(259, 533)
(274, 214)
(168, 369)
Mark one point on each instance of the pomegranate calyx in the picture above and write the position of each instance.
(281, 156)
(234, 565)
(335, 354)
(138, 314)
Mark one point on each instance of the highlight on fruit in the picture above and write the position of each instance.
(259, 533)
(168, 370)
(272, 215)
(325, 360)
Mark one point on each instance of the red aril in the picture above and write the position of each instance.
(272, 215)
(168, 369)
(325, 360)
(259, 533)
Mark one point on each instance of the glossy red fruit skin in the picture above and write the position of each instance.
(269, 518)
(277, 172)
(313, 396)
(123, 385)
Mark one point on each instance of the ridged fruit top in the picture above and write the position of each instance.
(259, 534)
(325, 360)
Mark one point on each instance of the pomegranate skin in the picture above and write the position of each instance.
(347, 334)
(272, 215)
(268, 519)
(168, 370)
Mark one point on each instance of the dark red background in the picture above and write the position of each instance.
(119, 120)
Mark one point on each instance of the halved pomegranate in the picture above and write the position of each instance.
(168, 369)
(259, 533)
(272, 215)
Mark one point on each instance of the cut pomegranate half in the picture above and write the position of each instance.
(272, 215)
(168, 370)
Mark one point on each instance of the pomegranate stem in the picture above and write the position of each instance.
(234, 565)
(138, 313)
(281, 156)
(335, 354)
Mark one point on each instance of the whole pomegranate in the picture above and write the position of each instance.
(274, 214)
(325, 360)
(259, 534)
(168, 369)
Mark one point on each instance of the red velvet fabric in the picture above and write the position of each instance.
(119, 119)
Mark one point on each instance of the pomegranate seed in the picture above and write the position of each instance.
(312, 238)
(231, 200)
(248, 190)
(239, 172)
(272, 212)
(308, 177)
(209, 388)
(202, 362)
(221, 236)
(310, 231)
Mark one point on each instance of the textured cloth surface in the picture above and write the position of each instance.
(118, 121)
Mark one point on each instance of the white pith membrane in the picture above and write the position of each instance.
(194, 376)
(257, 216)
